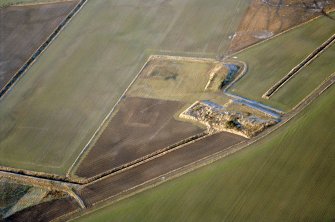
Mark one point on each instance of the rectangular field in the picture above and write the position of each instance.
(288, 176)
(269, 61)
(53, 111)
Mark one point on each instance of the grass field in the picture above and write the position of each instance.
(269, 61)
(306, 80)
(52, 112)
(178, 80)
(288, 176)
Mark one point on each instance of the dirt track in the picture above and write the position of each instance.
(140, 127)
(23, 30)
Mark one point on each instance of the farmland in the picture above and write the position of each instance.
(268, 66)
(264, 19)
(288, 176)
(311, 76)
(127, 95)
(94, 69)
(141, 127)
(20, 37)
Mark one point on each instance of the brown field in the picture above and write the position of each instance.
(23, 30)
(263, 19)
(114, 185)
(46, 211)
(140, 127)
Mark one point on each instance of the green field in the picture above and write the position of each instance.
(288, 176)
(54, 109)
(309, 78)
(269, 61)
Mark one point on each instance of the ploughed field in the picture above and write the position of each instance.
(23, 30)
(140, 127)
(154, 170)
(55, 108)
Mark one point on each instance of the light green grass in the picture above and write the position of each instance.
(309, 78)
(288, 176)
(176, 80)
(269, 61)
(54, 109)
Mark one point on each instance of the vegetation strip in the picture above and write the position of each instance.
(39, 51)
(301, 65)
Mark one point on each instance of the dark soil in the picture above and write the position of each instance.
(140, 127)
(46, 211)
(114, 185)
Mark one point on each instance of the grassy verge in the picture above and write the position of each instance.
(288, 176)
(269, 61)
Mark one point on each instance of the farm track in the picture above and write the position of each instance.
(310, 58)
(40, 50)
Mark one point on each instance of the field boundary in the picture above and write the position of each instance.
(10, 84)
(295, 71)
